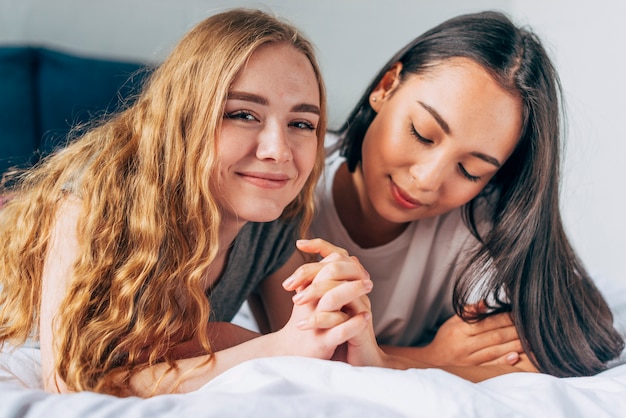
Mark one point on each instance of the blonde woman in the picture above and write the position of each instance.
(120, 248)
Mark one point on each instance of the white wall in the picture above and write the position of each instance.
(355, 37)
(587, 44)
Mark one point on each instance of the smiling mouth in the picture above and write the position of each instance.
(265, 180)
(402, 198)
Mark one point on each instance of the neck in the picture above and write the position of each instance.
(229, 228)
(357, 214)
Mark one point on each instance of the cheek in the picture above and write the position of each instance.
(374, 132)
(226, 157)
(224, 146)
(373, 148)
(463, 193)
(305, 155)
(388, 134)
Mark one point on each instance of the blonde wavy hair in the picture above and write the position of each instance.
(149, 230)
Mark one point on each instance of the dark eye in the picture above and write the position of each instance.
(468, 175)
(307, 126)
(419, 137)
(241, 115)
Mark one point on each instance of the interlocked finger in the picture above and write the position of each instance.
(351, 328)
(334, 267)
(324, 320)
(303, 276)
(344, 294)
(334, 275)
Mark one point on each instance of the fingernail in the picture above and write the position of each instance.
(367, 316)
(297, 297)
(288, 282)
(301, 324)
(302, 241)
(512, 358)
(368, 285)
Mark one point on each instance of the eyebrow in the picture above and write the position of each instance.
(446, 128)
(444, 125)
(487, 158)
(254, 98)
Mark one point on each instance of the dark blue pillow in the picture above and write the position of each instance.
(74, 89)
(18, 122)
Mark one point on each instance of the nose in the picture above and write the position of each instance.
(273, 143)
(428, 173)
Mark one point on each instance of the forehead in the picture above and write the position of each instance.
(459, 71)
(279, 66)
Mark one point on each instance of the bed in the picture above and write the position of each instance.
(302, 387)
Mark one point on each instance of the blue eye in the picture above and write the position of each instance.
(240, 115)
(307, 126)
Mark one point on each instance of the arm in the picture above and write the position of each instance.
(190, 373)
(271, 309)
(62, 251)
(363, 350)
(492, 341)
(335, 290)
(472, 373)
(293, 339)
(223, 335)
(273, 306)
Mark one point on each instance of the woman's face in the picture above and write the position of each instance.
(268, 140)
(437, 139)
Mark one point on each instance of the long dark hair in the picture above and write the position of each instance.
(525, 264)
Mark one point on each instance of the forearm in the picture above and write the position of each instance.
(472, 373)
(222, 335)
(226, 335)
(369, 354)
(419, 354)
(192, 373)
(479, 373)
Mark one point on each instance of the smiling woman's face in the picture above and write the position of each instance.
(437, 139)
(268, 140)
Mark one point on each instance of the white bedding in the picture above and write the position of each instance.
(300, 387)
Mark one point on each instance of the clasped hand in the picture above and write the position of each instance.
(332, 318)
(331, 307)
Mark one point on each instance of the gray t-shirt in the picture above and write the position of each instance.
(258, 251)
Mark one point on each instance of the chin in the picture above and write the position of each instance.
(263, 219)
(260, 214)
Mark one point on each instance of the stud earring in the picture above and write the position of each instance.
(374, 99)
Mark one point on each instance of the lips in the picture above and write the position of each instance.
(402, 198)
(265, 180)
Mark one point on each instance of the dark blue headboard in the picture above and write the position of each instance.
(44, 92)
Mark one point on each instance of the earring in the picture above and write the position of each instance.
(374, 98)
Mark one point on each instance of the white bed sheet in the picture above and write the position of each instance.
(300, 387)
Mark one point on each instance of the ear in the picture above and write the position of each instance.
(385, 86)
